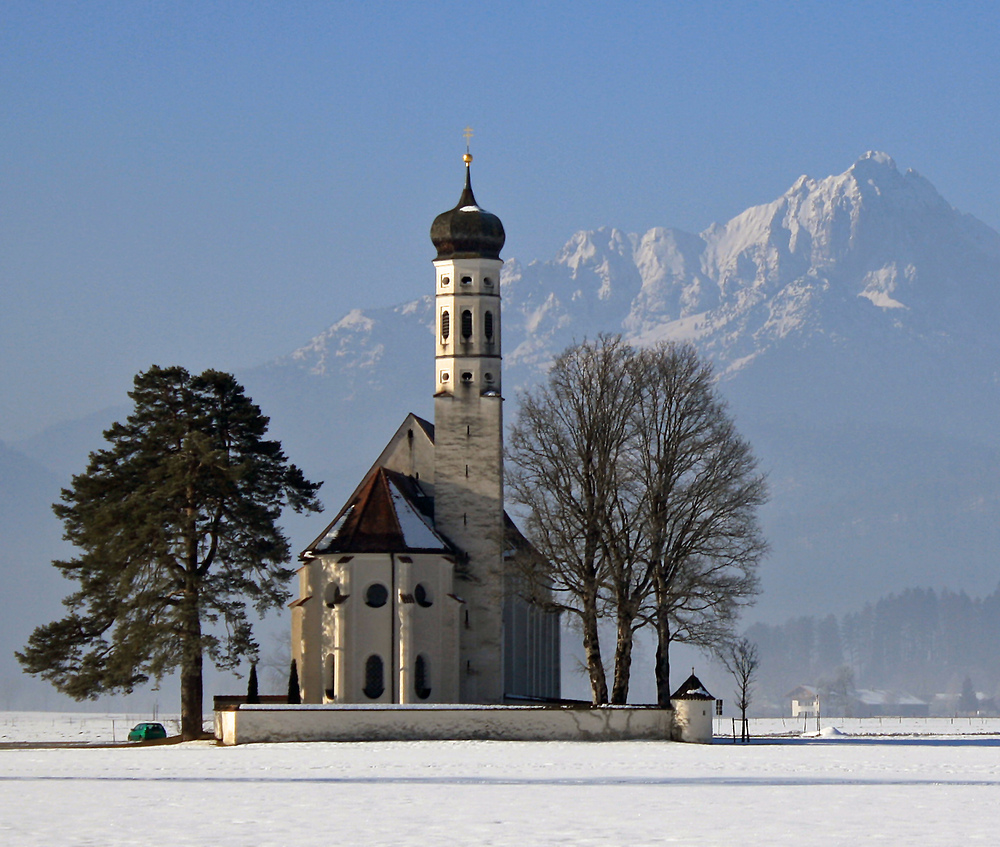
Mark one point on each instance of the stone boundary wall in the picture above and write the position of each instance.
(250, 724)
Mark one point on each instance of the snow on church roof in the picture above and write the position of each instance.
(387, 515)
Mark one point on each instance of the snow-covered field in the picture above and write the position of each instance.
(936, 787)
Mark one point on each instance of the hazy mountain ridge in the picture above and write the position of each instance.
(852, 321)
(851, 315)
(869, 251)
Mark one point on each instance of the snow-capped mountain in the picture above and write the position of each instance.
(852, 323)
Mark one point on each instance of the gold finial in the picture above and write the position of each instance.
(467, 132)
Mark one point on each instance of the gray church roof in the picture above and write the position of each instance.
(691, 689)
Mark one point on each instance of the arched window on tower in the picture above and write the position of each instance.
(330, 684)
(445, 325)
(488, 326)
(466, 325)
(422, 677)
(374, 677)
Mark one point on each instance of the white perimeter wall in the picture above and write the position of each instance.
(262, 723)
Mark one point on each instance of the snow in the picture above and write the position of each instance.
(779, 791)
(416, 532)
(334, 530)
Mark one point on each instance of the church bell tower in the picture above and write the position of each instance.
(468, 431)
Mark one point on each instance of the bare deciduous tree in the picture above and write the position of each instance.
(642, 498)
(567, 450)
(740, 659)
(702, 490)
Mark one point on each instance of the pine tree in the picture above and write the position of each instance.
(177, 523)
(294, 692)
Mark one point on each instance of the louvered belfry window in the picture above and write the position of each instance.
(488, 325)
(445, 325)
(467, 324)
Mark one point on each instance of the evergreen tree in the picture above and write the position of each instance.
(177, 523)
(294, 691)
(253, 690)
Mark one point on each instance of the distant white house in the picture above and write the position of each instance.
(804, 701)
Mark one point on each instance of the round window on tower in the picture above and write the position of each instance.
(377, 595)
(445, 281)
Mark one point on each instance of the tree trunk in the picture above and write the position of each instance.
(623, 659)
(595, 666)
(191, 674)
(662, 664)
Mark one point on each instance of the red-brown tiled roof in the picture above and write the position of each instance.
(389, 514)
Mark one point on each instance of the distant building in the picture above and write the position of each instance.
(871, 703)
(408, 595)
(804, 701)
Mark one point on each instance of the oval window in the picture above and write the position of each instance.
(422, 677)
(422, 596)
(376, 595)
(333, 596)
(374, 678)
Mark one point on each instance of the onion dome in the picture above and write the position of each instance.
(467, 231)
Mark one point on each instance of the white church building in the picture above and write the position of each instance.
(408, 596)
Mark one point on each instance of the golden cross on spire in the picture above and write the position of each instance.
(467, 158)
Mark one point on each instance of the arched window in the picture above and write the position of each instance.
(488, 326)
(445, 325)
(422, 677)
(423, 596)
(374, 678)
(376, 595)
(330, 683)
(466, 325)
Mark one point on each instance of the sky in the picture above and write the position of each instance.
(211, 184)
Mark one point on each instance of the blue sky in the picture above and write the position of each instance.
(211, 184)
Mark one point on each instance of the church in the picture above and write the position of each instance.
(409, 595)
